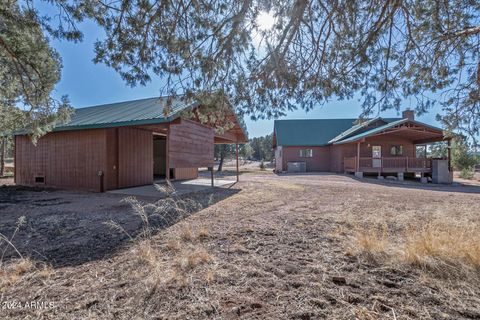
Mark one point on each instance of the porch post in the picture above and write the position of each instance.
(211, 177)
(358, 174)
(449, 149)
(167, 157)
(236, 151)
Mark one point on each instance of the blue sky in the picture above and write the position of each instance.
(89, 84)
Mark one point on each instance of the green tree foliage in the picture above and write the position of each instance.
(29, 69)
(262, 148)
(463, 158)
(438, 150)
(316, 50)
(246, 151)
(11, 119)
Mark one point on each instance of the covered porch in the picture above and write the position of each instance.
(398, 148)
(388, 164)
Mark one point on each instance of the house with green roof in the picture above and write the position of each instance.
(379, 146)
(126, 144)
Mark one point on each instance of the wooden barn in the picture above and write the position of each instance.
(379, 146)
(122, 145)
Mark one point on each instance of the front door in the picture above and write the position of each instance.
(376, 156)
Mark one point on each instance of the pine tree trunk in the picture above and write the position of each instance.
(2, 157)
(220, 164)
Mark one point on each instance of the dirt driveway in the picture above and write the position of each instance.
(273, 247)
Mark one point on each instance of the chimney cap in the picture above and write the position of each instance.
(408, 114)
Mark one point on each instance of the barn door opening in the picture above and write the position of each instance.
(159, 157)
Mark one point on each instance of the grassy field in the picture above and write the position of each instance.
(270, 247)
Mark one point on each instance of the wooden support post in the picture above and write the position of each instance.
(358, 158)
(211, 176)
(236, 151)
(167, 157)
(449, 149)
(15, 159)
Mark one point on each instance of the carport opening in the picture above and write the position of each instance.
(159, 157)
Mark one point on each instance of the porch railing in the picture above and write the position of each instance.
(398, 164)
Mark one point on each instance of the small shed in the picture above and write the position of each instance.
(122, 145)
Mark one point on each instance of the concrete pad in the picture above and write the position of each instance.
(182, 187)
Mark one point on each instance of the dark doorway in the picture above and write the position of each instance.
(159, 157)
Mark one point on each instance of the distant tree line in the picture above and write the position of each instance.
(257, 149)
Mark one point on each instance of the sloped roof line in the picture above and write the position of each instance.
(145, 111)
(354, 129)
(381, 128)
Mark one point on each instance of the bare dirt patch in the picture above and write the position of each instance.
(284, 247)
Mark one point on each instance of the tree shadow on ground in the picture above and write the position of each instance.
(62, 230)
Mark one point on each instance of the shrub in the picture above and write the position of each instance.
(467, 173)
(262, 165)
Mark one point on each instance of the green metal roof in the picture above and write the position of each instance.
(136, 112)
(321, 132)
(309, 132)
(353, 129)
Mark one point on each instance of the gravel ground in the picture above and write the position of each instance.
(272, 247)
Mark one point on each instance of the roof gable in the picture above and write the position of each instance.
(381, 128)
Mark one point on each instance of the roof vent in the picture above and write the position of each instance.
(408, 114)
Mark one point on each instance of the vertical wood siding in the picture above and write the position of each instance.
(186, 173)
(319, 162)
(135, 157)
(111, 172)
(190, 145)
(69, 159)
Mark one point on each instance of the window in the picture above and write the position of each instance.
(396, 150)
(306, 153)
(376, 152)
(39, 179)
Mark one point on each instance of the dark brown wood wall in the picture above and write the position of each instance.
(190, 145)
(111, 172)
(69, 159)
(319, 162)
(186, 173)
(135, 157)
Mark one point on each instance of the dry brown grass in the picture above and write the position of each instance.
(443, 247)
(190, 259)
(203, 233)
(186, 233)
(372, 240)
(13, 271)
(145, 253)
